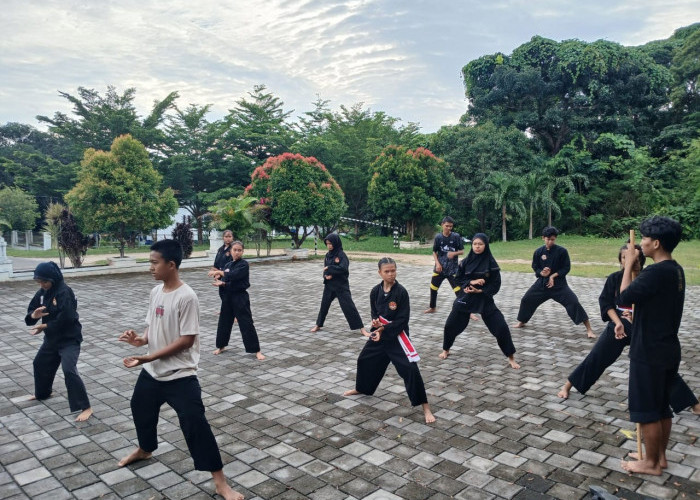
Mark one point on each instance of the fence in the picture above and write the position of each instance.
(28, 240)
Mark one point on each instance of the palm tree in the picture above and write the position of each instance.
(504, 191)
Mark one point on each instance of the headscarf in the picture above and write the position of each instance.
(337, 245)
(48, 271)
(480, 263)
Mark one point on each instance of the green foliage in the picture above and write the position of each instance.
(236, 214)
(409, 186)
(71, 241)
(18, 209)
(503, 191)
(300, 194)
(182, 233)
(120, 192)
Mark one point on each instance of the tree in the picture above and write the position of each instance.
(300, 193)
(410, 186)
(235, 214)
(18, 209)
(120, 192)
(182, 233)
(71, 241)
(503, 190)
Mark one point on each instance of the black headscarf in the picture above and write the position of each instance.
(48, 271)
(480, 263)
(337, 245)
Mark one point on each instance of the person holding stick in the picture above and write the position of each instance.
(658, 295)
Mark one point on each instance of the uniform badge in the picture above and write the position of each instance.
(337, 260)
(160, 310)
(54, 301)
(544, 257)
(392, 305)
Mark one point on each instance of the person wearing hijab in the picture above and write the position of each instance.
(55, 304)
(223, 257)
(479, 278)
(336, 285)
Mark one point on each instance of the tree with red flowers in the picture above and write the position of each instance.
(300, 194)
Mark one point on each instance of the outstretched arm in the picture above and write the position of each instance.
(184, 342)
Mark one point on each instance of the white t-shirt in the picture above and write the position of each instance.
(170, 315)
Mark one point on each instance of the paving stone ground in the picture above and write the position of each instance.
(285, 431)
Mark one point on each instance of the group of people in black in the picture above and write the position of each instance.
(642, 308)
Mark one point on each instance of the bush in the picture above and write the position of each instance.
(183, 234)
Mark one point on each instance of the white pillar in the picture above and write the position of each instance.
(215, 241)
(5, 263)
(47, 240)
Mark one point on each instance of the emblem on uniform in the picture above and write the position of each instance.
(160, 310)
(392, 305)
(337, 260)
(54, 301)
(544, 257)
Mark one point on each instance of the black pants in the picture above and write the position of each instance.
(605, 352)
(373, 362)
(435, 283)
(538, 294)
(458, 320)
(346, 304)
(237, 306)
(46, 363)
(184, 395)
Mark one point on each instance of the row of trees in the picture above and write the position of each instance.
(589, 136)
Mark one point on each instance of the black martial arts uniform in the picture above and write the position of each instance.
(478, 266)
(62, 338)
(375, 356)
(441, 245)
(658, 294)
(223, 257)
(557, 259)
(608, 349)
(337, 286)
(236, 305)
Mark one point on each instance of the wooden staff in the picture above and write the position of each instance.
(639, 426)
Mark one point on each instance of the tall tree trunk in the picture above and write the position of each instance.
(503, 222)
(530, 233)
(549, 215)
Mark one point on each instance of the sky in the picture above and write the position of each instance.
(402, 57)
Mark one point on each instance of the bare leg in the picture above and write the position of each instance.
(351, 392)
(222, 487)
(315, 329)
(259, 355)
(135, 456)
(695, 409)
(84, 415)
(444, 355)
(519, 324)
(564, 392)
(654, 439)
(429, 417)
(220, 350)
(589, 331)
(473, 317)
(430, 310)
(513, 364)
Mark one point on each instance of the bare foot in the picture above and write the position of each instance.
(565, 389)
(473, 317)
(430, 310)
(259, 355)
(444, 355)
(590, 334)
(642, 467)
(33, 397)
(519, 324)
(662, 462)
(134, 456)
(219, 350)
(351, 392)
(513, 364)
(315, 329)
(222, 487)
(84, 415)
(429, 417)
(695, 409)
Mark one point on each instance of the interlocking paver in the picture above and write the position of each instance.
(284, 429)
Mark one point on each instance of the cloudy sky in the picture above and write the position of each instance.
(402, 57)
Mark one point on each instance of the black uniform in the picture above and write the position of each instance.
(557, 259)
(62, 338)
(375, 356)
(337, 286)
(441, 245)
(658, 295)
(236, 305)
(607, 349)
(478, 266)
(223, 257)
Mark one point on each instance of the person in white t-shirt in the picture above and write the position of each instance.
(169, 372)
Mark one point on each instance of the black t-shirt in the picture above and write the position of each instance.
(443, 244)
(556, 259)
(658, 294)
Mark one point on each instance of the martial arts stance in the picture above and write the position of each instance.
(479, 279)
(607, 349)
(234, 280)
(223, 257)
(55, 304)
(336, 285)
(389, 342)
(447, 246)
(658, 294)
(551, 264)
(169, 373)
